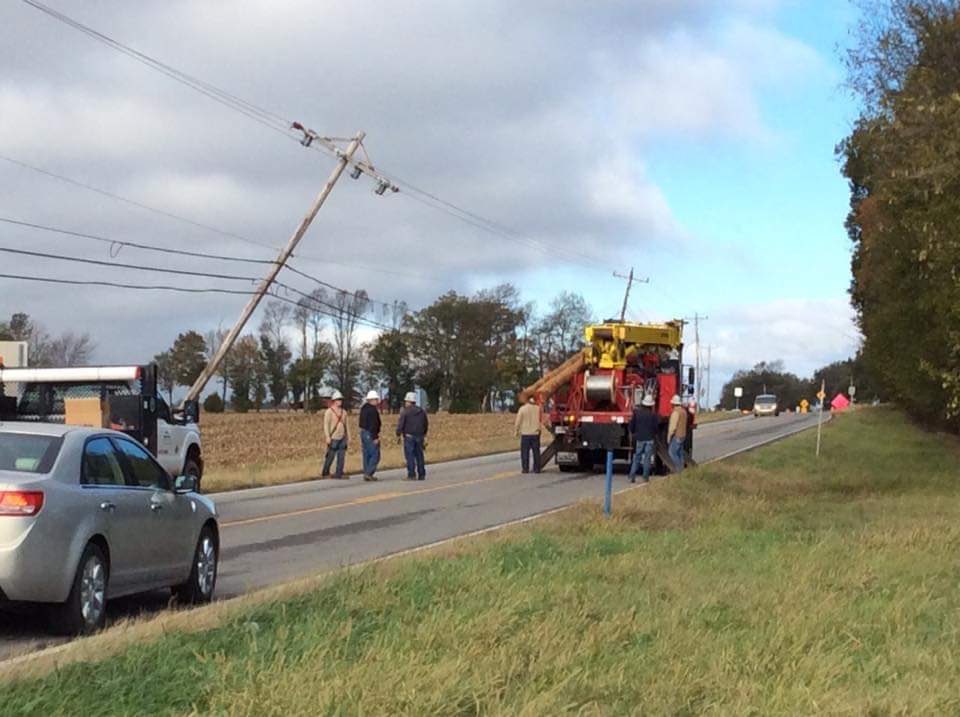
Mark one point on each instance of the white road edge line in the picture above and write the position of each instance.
(46, 652)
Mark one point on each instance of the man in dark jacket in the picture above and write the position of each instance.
(412, 428)
(644, 424)
(370, 435)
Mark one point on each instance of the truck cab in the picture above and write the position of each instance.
(124, 398)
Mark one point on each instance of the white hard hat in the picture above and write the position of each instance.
(336, 396)
(675, 401)
(373, 396)
(648, 400)
(410, 397)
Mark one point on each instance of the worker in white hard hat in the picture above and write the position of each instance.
(527, 427)
(644, 424)
(370, 435)
(677, 433)
(336, 436)
(412, 428)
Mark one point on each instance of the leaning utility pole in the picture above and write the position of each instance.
(626, 296)
(345, 158)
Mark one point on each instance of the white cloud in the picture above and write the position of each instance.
(804, 333)
(534, 114)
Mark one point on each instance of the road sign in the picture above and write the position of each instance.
(821, 395)
(738, 392)
(852, 390)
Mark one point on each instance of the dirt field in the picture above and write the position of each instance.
(254, 449)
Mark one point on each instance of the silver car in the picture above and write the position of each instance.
(766, 405)
(87, 515)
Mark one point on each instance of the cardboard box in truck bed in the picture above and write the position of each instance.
(86, 412)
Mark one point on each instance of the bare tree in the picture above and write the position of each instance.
(214, 339)
(276, 317)
(348, 309)
(70, 349)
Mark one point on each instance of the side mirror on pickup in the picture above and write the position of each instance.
(185, 484)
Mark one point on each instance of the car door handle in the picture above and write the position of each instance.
(107, 506)
(156, 507)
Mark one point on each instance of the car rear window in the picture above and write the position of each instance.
(25, 453)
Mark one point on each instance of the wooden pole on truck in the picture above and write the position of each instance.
(211, 368)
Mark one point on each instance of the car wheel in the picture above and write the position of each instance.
(85, 610)
(192, 468)
(203, 571)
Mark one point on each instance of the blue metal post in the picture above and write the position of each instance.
(608, 496)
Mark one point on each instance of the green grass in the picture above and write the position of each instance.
(770, 584)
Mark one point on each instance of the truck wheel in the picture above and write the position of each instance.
(85, 610)
(192, 468)
(203, 571)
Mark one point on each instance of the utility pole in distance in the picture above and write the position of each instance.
(708, 376)
(345, 157)
(696, 337)
(626, 296)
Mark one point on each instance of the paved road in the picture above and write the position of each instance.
(271, 535)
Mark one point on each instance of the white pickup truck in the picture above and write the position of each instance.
(134, 405)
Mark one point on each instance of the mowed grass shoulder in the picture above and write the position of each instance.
(769, 584)
(245, 450)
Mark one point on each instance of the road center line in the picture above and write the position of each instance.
(375, 498)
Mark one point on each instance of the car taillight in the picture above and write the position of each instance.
(18, 502)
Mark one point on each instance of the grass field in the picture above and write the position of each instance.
(771, 584)
(254, 449)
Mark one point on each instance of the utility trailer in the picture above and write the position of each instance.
(590, 398)
(126, 399)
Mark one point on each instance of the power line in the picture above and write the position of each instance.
(315, 141)
(207, 227)
(149, 247)
(184, 290)
(123, 265)
(208, 275)
(120, 243)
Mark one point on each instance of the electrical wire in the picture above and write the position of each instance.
(273, 121)
(186, 290)
(311, 300)
(136, 245)
(180, 252)
(170, 215)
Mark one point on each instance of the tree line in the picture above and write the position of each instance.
(790, 389)
(902, 161)
(469, 353)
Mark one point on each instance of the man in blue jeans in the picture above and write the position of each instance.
(370, 435)
(412, 428)
(677, 434)
(644, 424)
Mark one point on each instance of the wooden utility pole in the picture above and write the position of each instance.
(709, 348)
(626, 295)
(344, 159)
(696, 337)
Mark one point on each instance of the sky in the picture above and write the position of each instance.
(690, 139)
